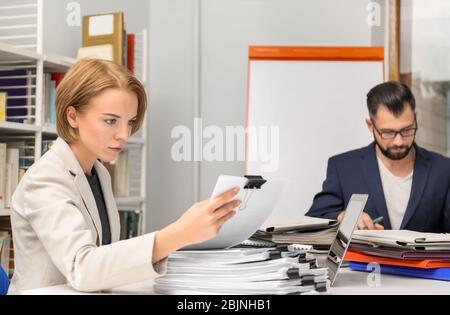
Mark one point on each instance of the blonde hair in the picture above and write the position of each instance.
(87, 79)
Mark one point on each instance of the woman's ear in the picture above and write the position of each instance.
(71, 114)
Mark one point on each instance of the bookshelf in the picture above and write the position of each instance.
(26, 51)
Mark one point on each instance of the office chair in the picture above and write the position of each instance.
(4, 282)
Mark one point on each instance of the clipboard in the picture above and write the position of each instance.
(259, 198)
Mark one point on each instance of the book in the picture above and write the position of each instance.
(119, 172)
(12, 174)
(20, 99)
(105, 52)
(3, 106)
(129, 223)
(130, 52)
(435, 273)
(2, 175)
(103, 29)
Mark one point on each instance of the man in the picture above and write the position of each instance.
(408, 186)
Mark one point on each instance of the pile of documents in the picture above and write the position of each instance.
(317, 232)
(402, 252)
(253, 271)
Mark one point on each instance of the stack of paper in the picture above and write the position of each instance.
(311, 231)
(242, 271)
(402, 252)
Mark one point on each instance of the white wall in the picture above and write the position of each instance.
(198, 64)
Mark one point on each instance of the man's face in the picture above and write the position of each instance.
(386, 127)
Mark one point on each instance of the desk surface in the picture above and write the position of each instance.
(348, 282)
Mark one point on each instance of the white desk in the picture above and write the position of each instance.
(347, 283)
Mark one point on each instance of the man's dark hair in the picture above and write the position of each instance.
(395, 96)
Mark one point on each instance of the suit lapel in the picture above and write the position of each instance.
(419, 181)
(63, 149)
(105, 183)
(89, 201)
(373, 180)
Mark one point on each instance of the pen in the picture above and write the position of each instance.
(377, 220)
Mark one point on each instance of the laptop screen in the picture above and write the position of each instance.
(344, 234)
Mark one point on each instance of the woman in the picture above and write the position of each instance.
(64, 219)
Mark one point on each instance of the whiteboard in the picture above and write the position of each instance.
(320, 110)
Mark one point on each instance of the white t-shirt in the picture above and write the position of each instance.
(397, 191)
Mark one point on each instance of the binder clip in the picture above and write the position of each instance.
(254, 182)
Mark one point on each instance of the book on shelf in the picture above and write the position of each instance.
(119, 172)
(105, 52)
(47, 145)
(104, 29)
(5, 241)
(12, 174)
(3, 106)
(5, 227)
(130, 52)
(15, 158)
(129, 223)
(20, 89)
(2, 175)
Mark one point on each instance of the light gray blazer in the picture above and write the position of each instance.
(57, 231)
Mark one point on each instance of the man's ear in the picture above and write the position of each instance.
(369, 124)
(71, 115)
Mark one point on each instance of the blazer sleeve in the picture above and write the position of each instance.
(329, 202)
(50, 207)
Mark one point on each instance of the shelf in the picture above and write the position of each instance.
(5, 213)
(18, 127)
(50, 130)
(11, 53)
(57, 63)
(129, 202)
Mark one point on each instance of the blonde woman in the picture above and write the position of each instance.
(64, 219)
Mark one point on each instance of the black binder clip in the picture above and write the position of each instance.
(254, 182)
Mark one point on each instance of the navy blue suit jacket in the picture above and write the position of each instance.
(356, 172)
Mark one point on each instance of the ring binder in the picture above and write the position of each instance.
(254, 182)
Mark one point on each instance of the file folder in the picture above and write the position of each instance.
(435, 273)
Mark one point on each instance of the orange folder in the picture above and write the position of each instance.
(424, 264)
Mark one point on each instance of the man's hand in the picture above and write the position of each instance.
(364, 222)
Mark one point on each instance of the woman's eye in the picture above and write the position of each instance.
(132, 122)
(110, 121)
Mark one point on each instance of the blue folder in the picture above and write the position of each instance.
(434, 273)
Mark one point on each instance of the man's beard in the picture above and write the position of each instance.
(396, 156)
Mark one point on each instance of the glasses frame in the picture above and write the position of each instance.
(396, 132)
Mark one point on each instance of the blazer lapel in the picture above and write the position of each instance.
(113, 215)
(373, 180)
(89, 201)
(419, 181)
(63, 149)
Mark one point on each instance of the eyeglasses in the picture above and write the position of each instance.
(391, 134)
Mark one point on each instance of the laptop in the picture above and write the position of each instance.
(256, 207)
(344, 234)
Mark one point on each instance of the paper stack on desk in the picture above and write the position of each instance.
(402, 252)
(242, 271)
(317, 232)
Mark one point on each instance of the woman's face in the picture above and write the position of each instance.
(106, 123)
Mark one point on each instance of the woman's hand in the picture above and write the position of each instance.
(204, 219)
(199, 223)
